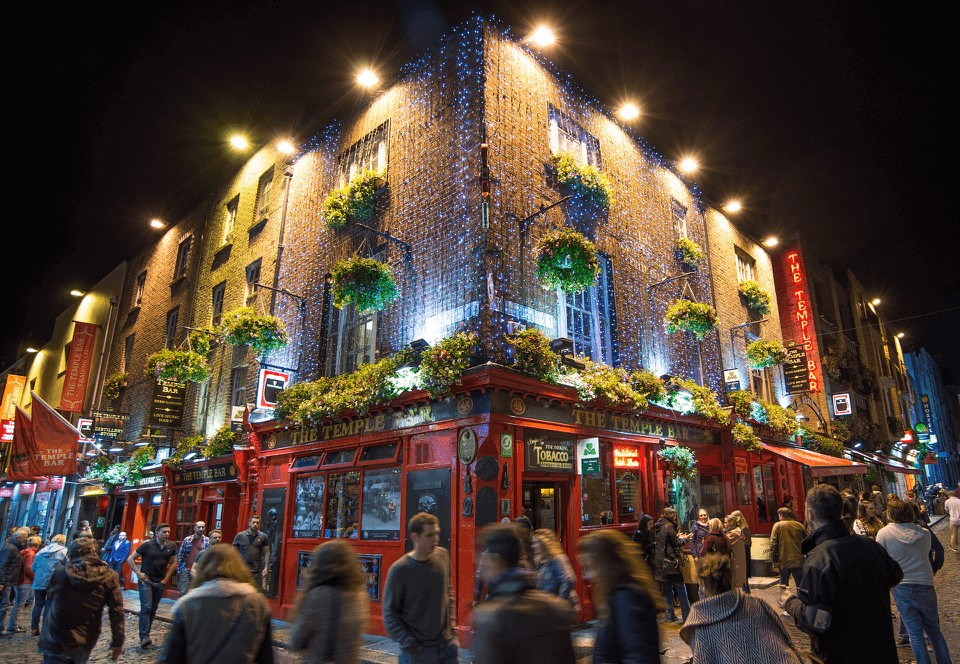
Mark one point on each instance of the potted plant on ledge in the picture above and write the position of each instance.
(357, 199)
(263, 333)
(757, 298)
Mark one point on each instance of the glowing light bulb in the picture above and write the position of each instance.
(771, 242)
(543, 36)
(156, 223)
(688, 165)
(629, 111)
(732, 206)
(286, 147)
(367, 78)
(239, 142)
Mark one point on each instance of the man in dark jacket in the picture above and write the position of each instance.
(11, 564)
(843, 599)
(849, 508)
(518, 623)
(79, 590)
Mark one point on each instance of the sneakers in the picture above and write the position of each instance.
(146, 643)
(903, 641)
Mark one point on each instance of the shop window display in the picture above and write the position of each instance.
(765, 492)
(380, 519)
(343, 505)
(308, 506)
(595, 493)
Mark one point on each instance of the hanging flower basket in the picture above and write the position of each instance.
(178, 365)
(582, 180)
(757, 298)
(567, 260)
(366, 282)
(264, 334)
(113, 385)
(745, 438)
(199, 340)
(443, 365)
(687, 316)
(762, 354)
(680, 460)
(689, 253)
(357, 200)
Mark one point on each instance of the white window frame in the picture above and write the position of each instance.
(264, 189)
(183, 257)
(746, 267)
(238, 387)
(569, 137)
(678, 212)
(350, 324)
(203, 391)
(595, 305)
(370, 153)
(216, 317)
(252, 278)
(761, 383)
(140, 288)
(230, 220)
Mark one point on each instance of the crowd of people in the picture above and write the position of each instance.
(845, 558)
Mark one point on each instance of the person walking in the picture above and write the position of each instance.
(952, 507)
(879, 503)
(850, 504)
(76, 594)
(921, 508)
(738, 552)
(715, 541)
(223, 619)
(730, 626)
(331, 611)
(644, 539)
(254, 547)
(418, 598)
(843, 599)
(26, 582)
(518, 623)
(867, 523)
(698, 531)
(555, 574)
(668, 565)
(190, 548)
(153, 573)
(786, 538)
(741, 522)
(109, 543)
(117, 553)
(910, 544)
(11, 565)
(43, 565)
(626, 598)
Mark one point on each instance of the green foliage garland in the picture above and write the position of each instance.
(366, 282)
(178, 365)
(744, 437)
(762, 353)
(742, 402)
(689, 252)
(822, 444)
(681, 460)
(221, 443)
(98, 467)
(183, 448)
(757, 298)
(687, 316)
(443, 365)
(357, 199)
(583, 180)
(566, 259)
(140, 459)
(263, 333)
(113, 384)
(533, 355)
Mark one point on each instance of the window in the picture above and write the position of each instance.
(140, 287)
(172, 317)
(66, 357)
(381, 505)
(128, 352)
(596, 504)
(760, 384)
(187, 513)
(367, 154)
(765, 491)
(239, 382)
(230, 221)
(678, 212)
(183, 253)
(253, 278)
(746, 267)
(218, 292)
(263, 195)
(308, 506)
(586, 317)
(203, 393)
(343, 505)
(567, 136)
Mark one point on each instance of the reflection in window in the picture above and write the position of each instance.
(379, 452)
(340, 456)
(381, 504)
(308, 507)
(343, 505)
(586, 317)
(595, 494)
(766, 493)
(688, 497)
(628, 496)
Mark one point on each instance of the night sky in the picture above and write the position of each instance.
(828, 120)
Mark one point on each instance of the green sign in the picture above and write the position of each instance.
(506, 446)
(588, 455)
(921, 427)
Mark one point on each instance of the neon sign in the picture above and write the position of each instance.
(626, 457)
(808, 334)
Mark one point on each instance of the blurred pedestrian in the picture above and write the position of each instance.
(909, 544)
(738, 551)
(518, 623)
(109, 543)
(190, 548)
(254, 547)
(26, 581)
(223, 619)
(418, 600)
(77, 593)
(153, 574)
(11, 566)
(952, 507)
(867, 523)
(921, 508)
(555, 574)
(215, 538)
(331, 611)
(786, 539)
(843, 600)
(644, 539)
(46, 560)
(625, 596)
(699, 530)
(117, 553)
(730, 626)
(741, 522)
(879, 502)
(525, 529)
(715, 541)
(668, 565)
(849, 508)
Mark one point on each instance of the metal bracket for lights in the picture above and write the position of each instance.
(300, 300)
(525, 222)
(389, 238)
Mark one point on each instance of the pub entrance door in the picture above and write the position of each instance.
(543, 503)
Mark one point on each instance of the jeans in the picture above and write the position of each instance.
(70, 657)
(448, 654)
(40, 606)
(785, 575)
(669, 589)
(917, 605)
(185, 578)
(21, 598)
(8, 600)
(151, 592)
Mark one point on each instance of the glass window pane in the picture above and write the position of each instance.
(340, 456)
(308, 506)
(628, 496)
(343, 505)
(596, 496)
(381, 505)
(379, 452)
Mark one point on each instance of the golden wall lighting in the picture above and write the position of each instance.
(771, 242)
(629, 111)
(733, 206)
(688, 165)
(286, 147)
(238, 142)
(156, 223)
(543, 36)
(367, 78)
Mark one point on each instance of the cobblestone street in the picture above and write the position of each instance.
(22, 648)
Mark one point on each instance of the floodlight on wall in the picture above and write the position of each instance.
(563, 346)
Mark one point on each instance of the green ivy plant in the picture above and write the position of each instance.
(140, 458)
(762, 353)
(98, 467)
(681, 461)
(357, 200)
(690, 253)
(221, 443)
(582, 180)
(745, 437)
(366, 282)
(263, 333)
(533, 355)
(686, 316)
(183, 448)
(819, 443)
(567, 260)
(178, 365)
(757, 298)
(443, 364)
(113, 384)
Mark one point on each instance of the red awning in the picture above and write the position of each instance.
(820, 465)
(898, 467)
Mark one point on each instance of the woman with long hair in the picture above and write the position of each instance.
(867, 523)
(330, 612)
(555, 574)
(644, 539)
(741, 523)
(698, 530)
(738, 551)
(223, 619)
(715, 541)
(625, 597)
(668, 565)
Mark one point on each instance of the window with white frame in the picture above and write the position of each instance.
(183, 254)
(761, 384)
(678, 213)
(172, 316)
(746, 267)
(587, 317)
(357, 339)
(253, 278)
(217, 309)
(263, 195)
(367, 154)
(230, 220)
(569, 137)
(239, 389)
(140, 288)
(203, 392)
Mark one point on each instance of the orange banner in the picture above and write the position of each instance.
(82, 350)
(11, 396)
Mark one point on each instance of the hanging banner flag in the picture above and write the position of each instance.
(11, 397)
(22, 448)
(55, 440)
(82, 350)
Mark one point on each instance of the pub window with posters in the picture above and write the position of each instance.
(308, 506)
(342, 515)
(380, 519)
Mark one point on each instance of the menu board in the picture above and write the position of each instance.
(166, 406)
(796, 375)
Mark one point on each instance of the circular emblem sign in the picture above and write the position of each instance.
(465, 405)
(517, 406)
(272, 442)
(467, 446)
